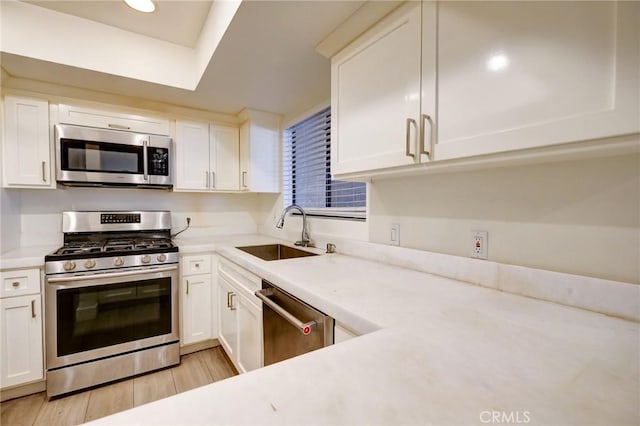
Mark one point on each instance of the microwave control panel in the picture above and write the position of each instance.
(158, 161)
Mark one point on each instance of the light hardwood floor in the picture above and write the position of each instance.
(196, 369)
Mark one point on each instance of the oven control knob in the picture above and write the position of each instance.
(118, 261)
(145, 259)
(90, 264)
(162, 257)
(69, 265)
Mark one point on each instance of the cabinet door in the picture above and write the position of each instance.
(225, 158)
(192, 156)
(113, 120)
(196, 308)
(259, 153)
(228, 330)
(249, 354)
(515, 75)
(21, 340)
(27, 148)
(375, 96)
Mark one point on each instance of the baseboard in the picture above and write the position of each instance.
(200, 346)
(23, 390)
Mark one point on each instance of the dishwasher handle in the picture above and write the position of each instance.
(304, 327)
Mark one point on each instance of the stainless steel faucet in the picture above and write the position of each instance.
(305, 241)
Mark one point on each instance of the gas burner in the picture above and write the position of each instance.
(80, 248)
(155, 243)
(119, 245)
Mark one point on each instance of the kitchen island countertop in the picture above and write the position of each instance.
(433, 351)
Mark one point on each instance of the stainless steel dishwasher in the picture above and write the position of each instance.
(290, 326)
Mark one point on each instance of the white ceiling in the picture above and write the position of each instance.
(178, 22)
(266, 59)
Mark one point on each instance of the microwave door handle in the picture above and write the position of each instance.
(145, 148)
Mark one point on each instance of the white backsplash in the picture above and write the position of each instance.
(613, 298)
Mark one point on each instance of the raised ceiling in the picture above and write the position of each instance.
(266, 59)
(178, 22)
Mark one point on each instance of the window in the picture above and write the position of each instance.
(307, 172)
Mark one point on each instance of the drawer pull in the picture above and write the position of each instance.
(33, 309)
(15, 284)
(187, 286)
(197, 265)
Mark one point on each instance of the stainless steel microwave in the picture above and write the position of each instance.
(87, 156)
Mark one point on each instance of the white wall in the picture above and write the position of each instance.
(41, 220)
(580, 217)
(9, 220)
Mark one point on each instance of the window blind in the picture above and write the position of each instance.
(307, 172)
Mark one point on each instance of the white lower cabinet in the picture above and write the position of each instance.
(228, 330)
(342, 333)
(21, 344)
(249, 318)
(197, 299)
(240, 316)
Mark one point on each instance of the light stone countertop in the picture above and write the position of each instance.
(437, 351)
(26, 257)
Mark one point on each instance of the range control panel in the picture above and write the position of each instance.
(119, 218)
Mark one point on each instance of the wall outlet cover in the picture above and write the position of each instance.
(394, 234)
(479, 244)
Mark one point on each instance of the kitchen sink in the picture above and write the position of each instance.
(275, 252)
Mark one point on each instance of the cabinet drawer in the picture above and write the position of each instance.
(197, 264)
(246, 282)
(20, 282)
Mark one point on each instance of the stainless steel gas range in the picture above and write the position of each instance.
(111, 299)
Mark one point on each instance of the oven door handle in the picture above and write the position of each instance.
(304, 327)
(109, 275)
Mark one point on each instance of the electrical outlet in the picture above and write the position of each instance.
(394, 236)
(479, 244)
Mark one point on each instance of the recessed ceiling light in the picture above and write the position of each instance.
(146, 6)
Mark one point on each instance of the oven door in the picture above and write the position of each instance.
(99, 315)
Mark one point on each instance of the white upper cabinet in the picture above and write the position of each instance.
(259, 152)
(91, 117)
(224, 160)
(27, 160)
(192, 156)
(207, 157)
(448, 80)
(515, 75)
(375, 96)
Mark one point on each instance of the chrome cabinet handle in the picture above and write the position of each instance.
(232, 307)
(244, 179)
(426, 118)
(230, 296)
(206, 179)
(408, 152)
(33, 309)
(187, 286)
(304, 327)
(44, 173)
(213, 179)
(118, 126)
